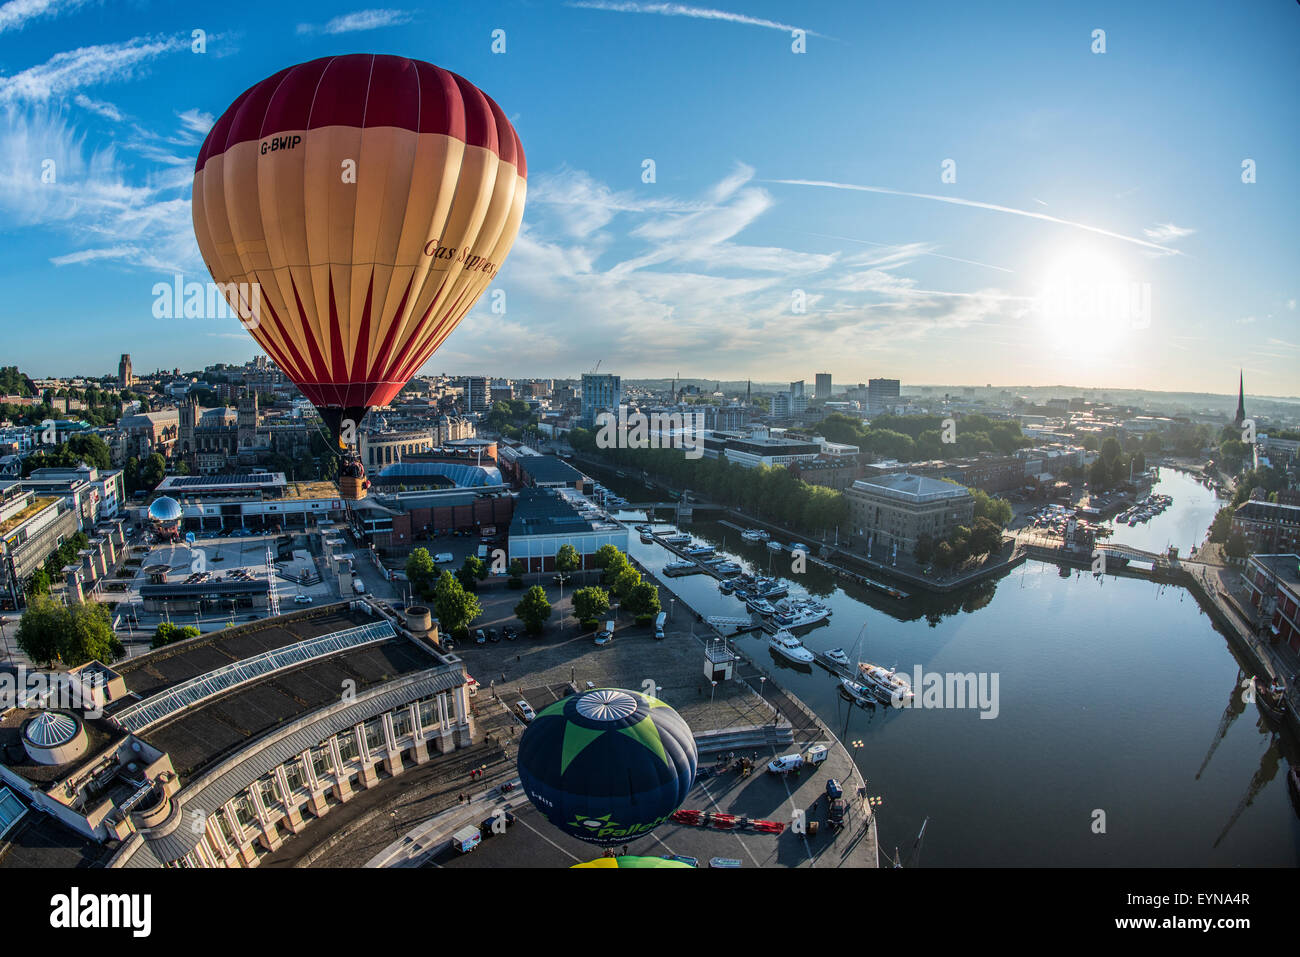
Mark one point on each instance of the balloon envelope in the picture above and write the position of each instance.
(609, 765)
(352, 209)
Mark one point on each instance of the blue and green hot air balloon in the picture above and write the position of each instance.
(609, 765)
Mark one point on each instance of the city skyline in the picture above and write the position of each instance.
(813, 178)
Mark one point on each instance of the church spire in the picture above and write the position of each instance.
(1241, 400)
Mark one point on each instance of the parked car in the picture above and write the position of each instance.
(302, 599)
(785, 764)
(835, 810)
(494, 635)
(479, 637)
(525, 710)
(485, 826)
(509, 633)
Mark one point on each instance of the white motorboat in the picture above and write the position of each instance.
(885, 683)
(774, 546)
(753, 535)
(789, 647)
(837, 656)
(760, 606)
(802, 618)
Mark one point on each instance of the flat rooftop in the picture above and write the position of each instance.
(1286, 568)
(543, 511)
(201, 734)
(908, 487)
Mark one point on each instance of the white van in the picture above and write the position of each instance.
(660, 619)
(442, 558)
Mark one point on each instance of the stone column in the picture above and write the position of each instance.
(72, 576)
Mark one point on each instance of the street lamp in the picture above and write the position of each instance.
(671, 603)
(712, 691)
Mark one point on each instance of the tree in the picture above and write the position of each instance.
(91, 636)
(943, 555)
(1236, 546)
(471, 573)
(517, 570)
(456, 607)
(607, 555)
(154, 470)
(41, 629)
(643, 600)
(590, 603)
(1110, 450)
(39, 583)
(421, 571)
(924, 549)
(534, 609)
(91, 449)
(167, 633)
(626, 580)
(567, 559)
(1221, 527)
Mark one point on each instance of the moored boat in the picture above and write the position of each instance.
(858, 692)
(789, 647)
(1271, 699)
(886, 684)
(837, 656)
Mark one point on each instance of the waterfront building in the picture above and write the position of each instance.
(897, 509)
(547, 518)
(1274, 583)
(1268, 526)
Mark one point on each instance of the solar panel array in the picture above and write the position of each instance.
(191, 481)
(155, 708)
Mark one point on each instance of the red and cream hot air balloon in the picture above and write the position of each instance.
(372, 200)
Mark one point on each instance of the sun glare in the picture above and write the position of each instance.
(1088, 305)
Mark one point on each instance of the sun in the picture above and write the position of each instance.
(1088, 305)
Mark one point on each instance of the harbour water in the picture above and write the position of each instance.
(1121, 736)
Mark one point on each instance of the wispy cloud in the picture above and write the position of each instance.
(656, 282)
(975, 204)
(88, 196)
(107, 110)
(357, 22)
(1167, 232)
(682, 10)
(15, 14)
(94, 255)
(73, 70)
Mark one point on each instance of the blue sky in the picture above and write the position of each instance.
(1077, 171)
